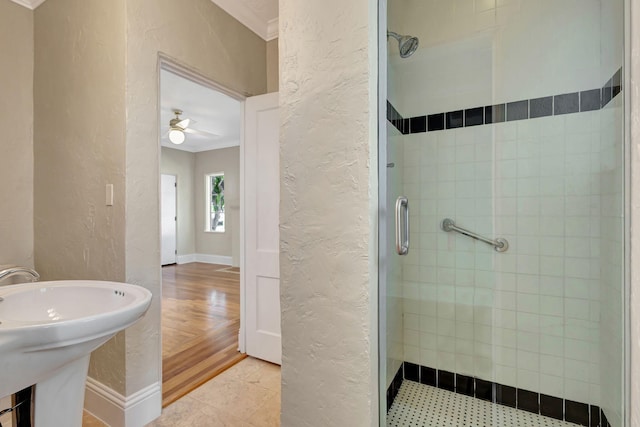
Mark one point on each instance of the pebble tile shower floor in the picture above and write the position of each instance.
(425, 406)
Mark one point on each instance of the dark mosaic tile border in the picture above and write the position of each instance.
(393, 389)
(566, 103)
(537, 403)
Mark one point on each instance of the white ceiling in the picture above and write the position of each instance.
(209, 111)
(260, 16)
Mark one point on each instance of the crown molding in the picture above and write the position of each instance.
(272, 29)
(248, 18)
(29, 4)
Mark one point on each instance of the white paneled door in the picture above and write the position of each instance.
(168, 219)
(261, 231)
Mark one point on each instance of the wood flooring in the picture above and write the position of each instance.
(200, 323)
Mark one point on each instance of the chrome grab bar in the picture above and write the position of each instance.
(500, 244)
(402, 225)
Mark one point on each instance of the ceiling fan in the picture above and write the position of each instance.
(178, 127)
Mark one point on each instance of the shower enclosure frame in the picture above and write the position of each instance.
(384, 214)
(626, 131)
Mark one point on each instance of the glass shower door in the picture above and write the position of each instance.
(504, 133)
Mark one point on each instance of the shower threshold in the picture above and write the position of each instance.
(420, 405)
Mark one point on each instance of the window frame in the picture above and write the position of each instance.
(209, 211)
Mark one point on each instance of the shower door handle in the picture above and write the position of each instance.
(402, 225)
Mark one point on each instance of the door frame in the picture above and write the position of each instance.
(167, 63)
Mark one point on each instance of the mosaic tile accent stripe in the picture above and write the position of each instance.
(536, 403)
(566, 103)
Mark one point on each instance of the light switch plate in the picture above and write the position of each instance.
(109, 195)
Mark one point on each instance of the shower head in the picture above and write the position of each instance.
(406, 44)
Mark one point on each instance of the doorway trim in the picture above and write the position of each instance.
(173, 65)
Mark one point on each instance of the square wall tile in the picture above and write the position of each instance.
(464, 385)
(578, 391)
(506, 375)
(528, 380)
(541, 107)
(485, 390)
(411, 372)
(446, 380)
(484, 367)
(551, 407)
(576, 412)
(567, 103)
(428, 376)
(552, 345)
(506, 395)
(418, 124)
(435, 122)
(594, 416)
(616, 83)
(590, 100)
(551, 385)
(474, 116)
(528, 401)
(518, 110)
(494, 113)
(454, 119)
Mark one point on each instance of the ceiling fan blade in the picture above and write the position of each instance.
(201, 132)
(183, 124)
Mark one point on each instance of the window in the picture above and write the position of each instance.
(215, 202)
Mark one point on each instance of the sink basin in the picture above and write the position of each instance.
(49, 329)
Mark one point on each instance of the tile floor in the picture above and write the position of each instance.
(421, 405)
(245, 395)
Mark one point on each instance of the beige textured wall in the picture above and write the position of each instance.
(273, 66)
(225, 160)
(328, 202)
(16, 145)
(199, 35)
(182, 165)
(79, 89)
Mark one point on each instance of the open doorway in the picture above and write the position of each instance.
(200, 136)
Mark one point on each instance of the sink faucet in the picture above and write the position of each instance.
(7, 271)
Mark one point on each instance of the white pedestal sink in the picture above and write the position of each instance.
(47, 332)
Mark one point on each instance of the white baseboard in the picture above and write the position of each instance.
(117, 410)
(185, 259)
(207, 259)
(214, 259)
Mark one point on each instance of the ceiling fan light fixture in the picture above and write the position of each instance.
(176, 136)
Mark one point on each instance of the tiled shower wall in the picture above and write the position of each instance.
(546, 315)
(527, 317)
